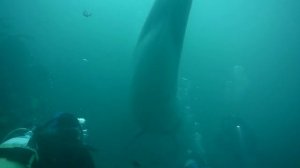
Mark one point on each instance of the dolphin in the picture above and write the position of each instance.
(158, 53)
(154, 86)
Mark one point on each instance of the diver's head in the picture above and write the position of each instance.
(59, 139)
(63, 127)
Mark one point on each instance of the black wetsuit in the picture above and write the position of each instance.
(79, 158)
(59, 144)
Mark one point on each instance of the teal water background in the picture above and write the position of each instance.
(240, 66)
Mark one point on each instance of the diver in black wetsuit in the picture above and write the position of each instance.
(57, 144)
(60, 144)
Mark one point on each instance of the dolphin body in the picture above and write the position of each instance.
(155, 78)
(154, 106)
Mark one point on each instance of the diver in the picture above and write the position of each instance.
(59, 143)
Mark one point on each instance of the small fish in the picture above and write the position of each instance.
(87, 13)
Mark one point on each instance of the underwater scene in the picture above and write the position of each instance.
(156, 83)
